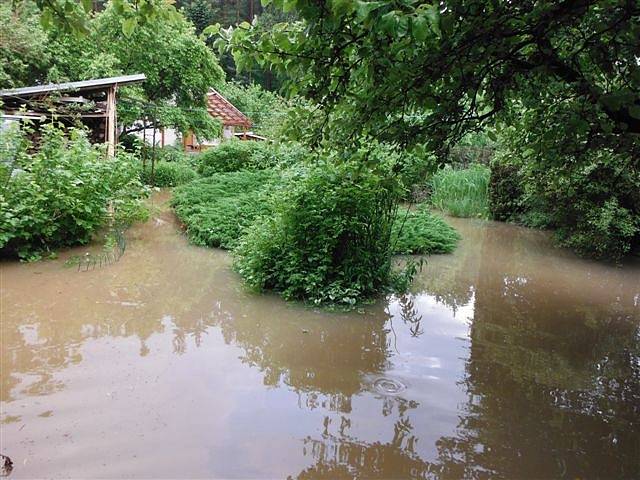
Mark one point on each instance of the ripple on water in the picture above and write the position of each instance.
(388, 386)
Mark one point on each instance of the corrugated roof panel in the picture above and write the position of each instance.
(94, 84)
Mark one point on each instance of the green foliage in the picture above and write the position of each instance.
(563, 75)
(461, 192)
(267, 110)
(217, 209)
(235, 155)
(505, 190)
(157, 41)
(413, 70)
(590, 196)
(168, 173)
(328, 238)
(230, 156)
(23, 46)
(421, 232)
(62, 193)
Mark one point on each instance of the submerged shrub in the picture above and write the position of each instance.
(591, 198)
(217, 209)
(328, 238)
(422, 232)
(168, 174)
(461, 192)
(61, 194)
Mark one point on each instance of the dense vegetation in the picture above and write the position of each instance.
(383, 94)
(179, 67)
(217, 209)
(167, 174)
(461, 192)
(287, 226)
(236, 155)
(421, 232)
(559, 82)
(61, 193)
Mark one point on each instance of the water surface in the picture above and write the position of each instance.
(511, 359)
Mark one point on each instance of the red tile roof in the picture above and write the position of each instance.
(220, 107)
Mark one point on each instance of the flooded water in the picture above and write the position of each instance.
(511, 359)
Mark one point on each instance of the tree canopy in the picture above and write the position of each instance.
(179, 66)
(419, 71)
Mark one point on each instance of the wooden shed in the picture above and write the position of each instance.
(92, 101)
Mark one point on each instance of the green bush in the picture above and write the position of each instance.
(505, 190)
(217, 209)
(461, 192)
(237, 155)
(590, 197)
(229, 156)
(421, 232)
(62, 193)
(328, 238)
(266, 109)
(168, 174)
(595, 209)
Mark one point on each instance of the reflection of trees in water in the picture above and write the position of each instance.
(45, 329)
(553, 378)
(343, 456)
(327, 361)
(410, 315)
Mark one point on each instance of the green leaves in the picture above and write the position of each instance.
(61, 191)
(211, 30)
(129, 25)
(419, 28)
(364, 9)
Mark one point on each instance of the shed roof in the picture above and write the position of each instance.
(84, 85)
(221, 108)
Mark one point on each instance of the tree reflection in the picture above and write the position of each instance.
(553, 374)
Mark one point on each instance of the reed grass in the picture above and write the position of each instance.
(461, 192)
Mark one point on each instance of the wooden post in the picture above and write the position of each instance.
(111, 121)
(153, 154)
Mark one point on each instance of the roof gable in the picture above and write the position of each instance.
(220, 107)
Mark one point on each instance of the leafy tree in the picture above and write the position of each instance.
(417, 72)
(24, 56)
(267, 110)
(420, 71)
(179, 67)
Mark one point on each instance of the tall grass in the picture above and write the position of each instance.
(461, 192)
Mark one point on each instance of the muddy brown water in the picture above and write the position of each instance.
(511, 359)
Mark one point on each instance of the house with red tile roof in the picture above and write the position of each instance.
(235, 124)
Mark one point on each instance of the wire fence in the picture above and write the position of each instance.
(114, 250)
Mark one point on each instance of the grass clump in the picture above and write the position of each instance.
(168, 174)
(461, 192)
(422, 233)
(216, 210)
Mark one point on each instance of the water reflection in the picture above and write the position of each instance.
(509, 360)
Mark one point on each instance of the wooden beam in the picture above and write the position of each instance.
(111, 121)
